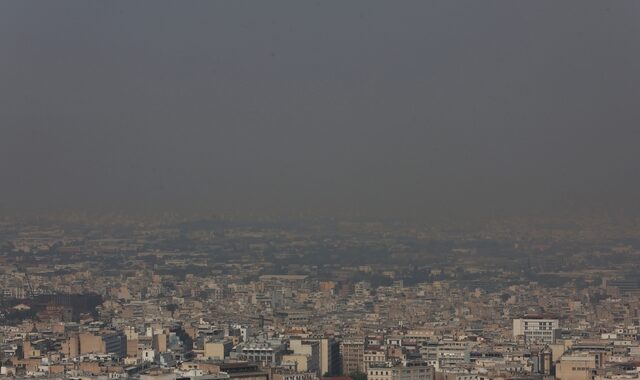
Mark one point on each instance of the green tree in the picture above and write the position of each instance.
(357, 375)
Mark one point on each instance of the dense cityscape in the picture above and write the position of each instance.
(320, 190)
(212, 298)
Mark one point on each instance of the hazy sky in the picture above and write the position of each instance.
(382, 108)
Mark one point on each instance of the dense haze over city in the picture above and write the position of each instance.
(363, 108)
(315, 190)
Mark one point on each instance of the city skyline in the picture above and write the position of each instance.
(315, 190)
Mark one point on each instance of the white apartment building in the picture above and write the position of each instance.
(535, 330)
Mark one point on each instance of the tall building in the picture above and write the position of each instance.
(159, 342)
(329, 355)
(535, 329)
(310, 349)
(115, 343)
(352, 355)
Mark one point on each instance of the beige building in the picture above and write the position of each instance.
(28, 350)
(352, 354)
(329, 355)
(576, 367)
(372, 356)
(298, 363)
(218, 350)
(159, 342)
(82, 344)
(309, 348)
(132, 348)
